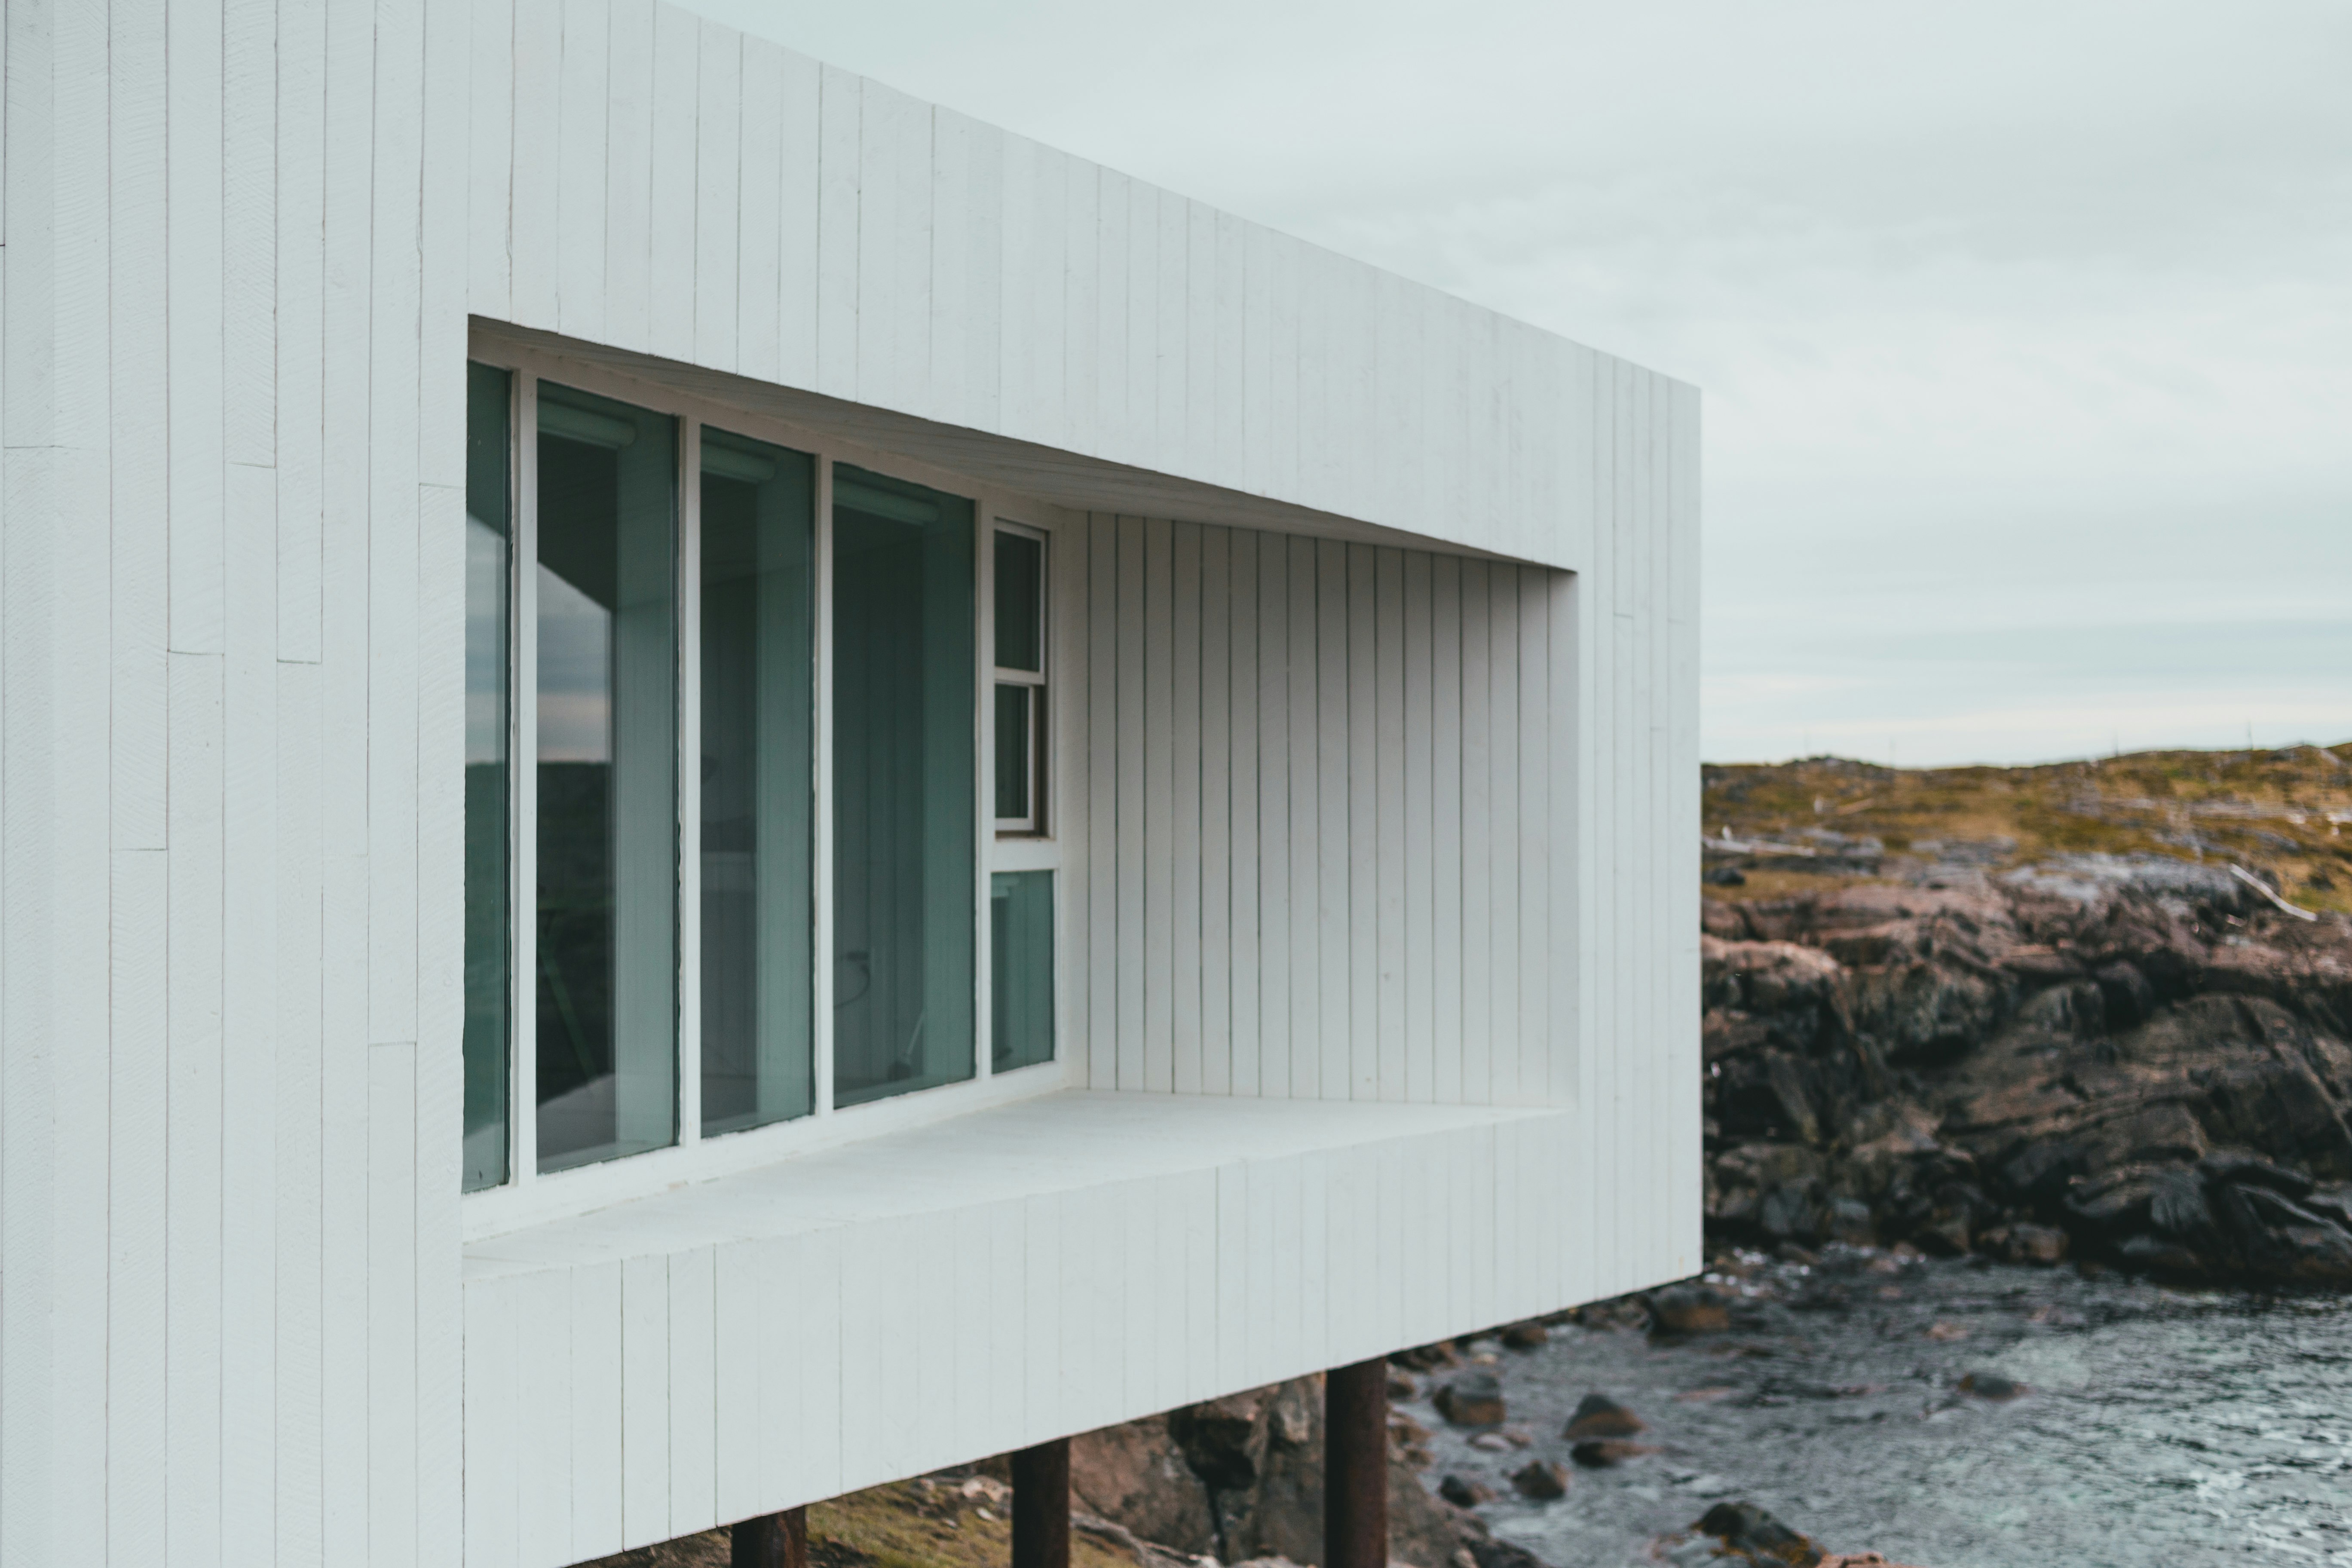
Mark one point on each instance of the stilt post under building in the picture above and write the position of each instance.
(1041, 1506)
(772, 1540)
(1356, 1466)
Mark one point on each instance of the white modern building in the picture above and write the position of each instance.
(714, 787)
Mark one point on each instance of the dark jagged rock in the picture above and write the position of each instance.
(1486, 1551)
(1991, 1386)
(1540, 1480)
(1689, 1309)
(2133, 1061)
(1598, 1416)
(1747, 1530)
(1473, 1399)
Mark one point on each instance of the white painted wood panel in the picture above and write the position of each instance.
(628, 168)
(1273, 815)
(1187, 936)
(1216, 852)
(1101, 741)
(1242, 796)
(1157, 730)
(1363, 825)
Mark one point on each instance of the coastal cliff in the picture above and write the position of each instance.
(2107, 1024)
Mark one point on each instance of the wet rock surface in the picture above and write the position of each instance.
(1952, 1413)
(2135, 1060)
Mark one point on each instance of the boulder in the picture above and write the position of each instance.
(1540, 1480)
(1991, 1386)
(1688, 1309)
(1137, 1475)
(1598, 1416)
(1464, 1492)
(2157, 1255)
(2041, 1245)
(1525, 1336)
(1473, 1398)
(2125, 993)
(1748, 1531)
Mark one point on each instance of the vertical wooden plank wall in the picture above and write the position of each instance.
(231, 470)
(638, 177)
(1419, 848)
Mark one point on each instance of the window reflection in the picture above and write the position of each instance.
(903, 776)
(488, 555)
(758, 701)
(606, 710)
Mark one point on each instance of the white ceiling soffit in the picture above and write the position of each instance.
(1063, 479)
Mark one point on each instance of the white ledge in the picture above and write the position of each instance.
(1069, 1140)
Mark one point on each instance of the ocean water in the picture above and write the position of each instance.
(2159, 1427)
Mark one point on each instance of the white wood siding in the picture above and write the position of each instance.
(1185, 889)
(756, 1342)
(240, 244)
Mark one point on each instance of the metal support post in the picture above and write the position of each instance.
(1356, 1466)
(772, 1540)
(1041, 1506)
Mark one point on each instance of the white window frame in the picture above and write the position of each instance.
(530, 1196)
(1041, 746)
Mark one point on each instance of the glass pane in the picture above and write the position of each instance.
(488, 548)
(1021, 968)
(1020, 601)
(607, 796)
(903, 782)
(759, 700)
(1013, 769)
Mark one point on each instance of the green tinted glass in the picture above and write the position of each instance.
(904, 781)
(1021, 968)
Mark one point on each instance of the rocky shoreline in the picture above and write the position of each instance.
(2140, 1061)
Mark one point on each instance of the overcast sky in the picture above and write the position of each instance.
(2024, 330)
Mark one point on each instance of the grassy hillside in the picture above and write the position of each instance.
(2281, 812)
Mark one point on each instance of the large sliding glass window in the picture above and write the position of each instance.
(905, 816)
(607, 841)
(759, 785)
(678, 673)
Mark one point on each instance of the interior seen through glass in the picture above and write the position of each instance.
(607, 1016)
(903, 779)
(757, 781)
(1020, 601)
(1021, 968)
(1013, 768)
(489, 556)
(604, 782)
(1019, 638)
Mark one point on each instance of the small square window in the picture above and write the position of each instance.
(1020, 651)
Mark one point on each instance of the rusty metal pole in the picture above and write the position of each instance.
(1041, 1506)
(1356, 1466)
(771, 1540)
